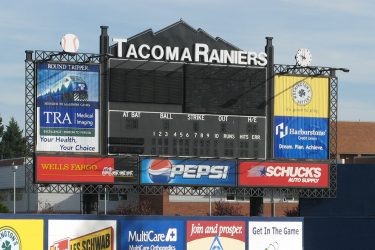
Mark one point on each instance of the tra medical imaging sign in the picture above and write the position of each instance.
(82, 234)
(283, 174)
(188, 172)
(67, 107)
(212, 235)
(301, 111)
(276, 235)
(148, 234)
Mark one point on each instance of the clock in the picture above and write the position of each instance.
(303, 57)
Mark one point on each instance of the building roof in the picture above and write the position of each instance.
(356, 137)
(9, 162)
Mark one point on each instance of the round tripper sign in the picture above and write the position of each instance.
(70, 43)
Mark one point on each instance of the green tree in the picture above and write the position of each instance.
(13, 144)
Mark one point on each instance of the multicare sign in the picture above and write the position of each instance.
(152, 234)
(215, 235)
(67, 98)
(17, 234)
(188, 172)
(82, 234)
(283, 174)
(301, 137)
(276, 235)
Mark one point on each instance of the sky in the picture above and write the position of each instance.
(339, 33)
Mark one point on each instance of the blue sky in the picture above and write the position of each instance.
(339, 33)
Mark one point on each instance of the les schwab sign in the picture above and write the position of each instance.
(201, 53)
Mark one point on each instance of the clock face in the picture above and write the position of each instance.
(303, 57)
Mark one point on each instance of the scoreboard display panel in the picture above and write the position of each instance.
(181, 109)
(186, 134)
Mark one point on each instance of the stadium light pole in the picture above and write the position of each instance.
(14, 169)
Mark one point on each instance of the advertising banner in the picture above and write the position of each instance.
(71, 169)
(82, 234)
(283, 174)
(67, 99)
(301, 137)
(17, 234)
(301, 96)
(188, 172)
(215, 235)
(275, 235)
(152, 234)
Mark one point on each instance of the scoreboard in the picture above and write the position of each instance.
(186, 134)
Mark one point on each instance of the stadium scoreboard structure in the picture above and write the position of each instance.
(178, 108)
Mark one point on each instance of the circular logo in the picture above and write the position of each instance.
(302, 93)
(160, 170)
(9, 239)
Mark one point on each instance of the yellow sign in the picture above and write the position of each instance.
(17, 234)
(99, 240)
(301, 96)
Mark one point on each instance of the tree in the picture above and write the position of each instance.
(226, 209)
(13, 144)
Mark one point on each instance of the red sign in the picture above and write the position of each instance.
(215, 235)
(283, 174)
(55, 169)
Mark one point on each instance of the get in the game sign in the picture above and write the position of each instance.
(301, 137)
(188, 172)
(283, 174)
(67, 98)
(276, 235)
(147, 234)
(215, 235)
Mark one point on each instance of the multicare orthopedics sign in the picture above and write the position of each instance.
(215, 235)
(188, 172)
(152, 234)
(67, 100)
(300, 137)
(283, 174)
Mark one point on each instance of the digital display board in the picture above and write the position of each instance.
(67, 107)
(183, 134)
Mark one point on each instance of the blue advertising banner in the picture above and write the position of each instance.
(67, 98)
(188, 172)
(300, 137)
(152, 234)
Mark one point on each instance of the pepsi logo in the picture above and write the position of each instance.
(159, 170)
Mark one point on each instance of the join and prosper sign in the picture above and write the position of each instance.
(67, 98)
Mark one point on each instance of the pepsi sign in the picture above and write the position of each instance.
(159, 171)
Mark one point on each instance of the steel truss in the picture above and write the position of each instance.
(50, 56)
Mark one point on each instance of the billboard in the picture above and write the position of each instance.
(67, 107)
(203, 172)
(215, 235)
(276, 235)
(71, 169)
(301, 137)
(17, 234)
(82, 234)
(152, 234)
(283, 174)
(301, 96)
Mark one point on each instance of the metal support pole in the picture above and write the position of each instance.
(14, 168)
(105, 200)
